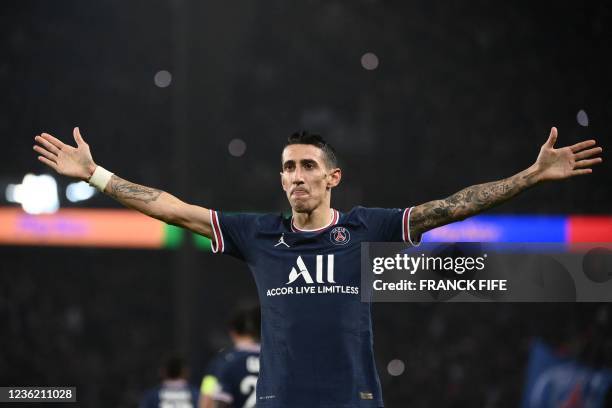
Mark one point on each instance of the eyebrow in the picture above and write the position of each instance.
(303, 162)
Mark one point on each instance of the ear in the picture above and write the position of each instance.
(334, 177)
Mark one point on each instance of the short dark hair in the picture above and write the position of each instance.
(246, 322)
(174, 367)
(305, 137)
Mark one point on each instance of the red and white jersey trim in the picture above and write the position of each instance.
(406, 227)
(217, 243)
(335, 216)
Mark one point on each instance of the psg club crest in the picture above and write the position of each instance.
(339, 236)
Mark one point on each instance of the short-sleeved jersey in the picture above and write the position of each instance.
(177, 394)
(236, 376)
(210, 383)
(317, 341)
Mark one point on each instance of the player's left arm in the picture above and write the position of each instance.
(210, 385)
(206, 401)
(551, 164)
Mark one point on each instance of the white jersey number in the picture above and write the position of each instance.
(247, 387)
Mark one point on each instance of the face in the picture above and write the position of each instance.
(306, 178)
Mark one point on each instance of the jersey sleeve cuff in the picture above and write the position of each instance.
(414, 241)
(224, 397)
(217, 243)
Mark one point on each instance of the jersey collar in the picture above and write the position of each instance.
(335, 216)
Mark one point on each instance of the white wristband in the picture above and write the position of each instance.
(100, 178)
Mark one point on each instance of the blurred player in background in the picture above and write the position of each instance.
(577, 374)
(232, 375)
(174, 391)
(317, 340)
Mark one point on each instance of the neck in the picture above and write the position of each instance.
(176, 382)
(242, 340)
(247, 344)
(316, 219)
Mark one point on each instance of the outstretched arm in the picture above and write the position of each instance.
(77, 162)
(551, 164)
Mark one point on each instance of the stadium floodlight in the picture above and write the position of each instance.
(162, 79)
(36, 194)
(80, 191)
(582, 118)
(369, 61)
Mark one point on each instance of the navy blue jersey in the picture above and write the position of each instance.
(210, 384)
(236, 376)
(316, 333)
(171, 394)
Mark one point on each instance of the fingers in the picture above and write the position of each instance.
(48, 162)
(588, 153)
(581, 172)
(77, 136)
(56, 142)
(587, 163)
(580, 167)
(582, 145)
(45, 153)
(552, 138)
(48, 145)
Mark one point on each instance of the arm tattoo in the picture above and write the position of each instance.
(467, 202)
(122, 189)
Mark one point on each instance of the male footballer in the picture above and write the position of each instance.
(232, 376)
(316, 348)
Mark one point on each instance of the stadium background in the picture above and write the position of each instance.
(462, 94)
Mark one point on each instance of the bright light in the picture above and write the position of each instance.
(10, 193)
(396, 367)
(582, 118)
(162, 79)
(36, 194)
(80, 191)
(237, 147)
(369, 61)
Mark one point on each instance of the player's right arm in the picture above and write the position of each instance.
(78, 163)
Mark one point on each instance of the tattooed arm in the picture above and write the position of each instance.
(78, 163)
(161, 205)
(468, 202)
(551, 164)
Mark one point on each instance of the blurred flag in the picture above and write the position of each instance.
(562, 382)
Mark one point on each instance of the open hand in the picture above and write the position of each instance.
(569, 161)
(65, 159)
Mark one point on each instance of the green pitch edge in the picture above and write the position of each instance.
(173, 236)
(201, 242)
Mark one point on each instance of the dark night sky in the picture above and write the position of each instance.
(464, 93)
